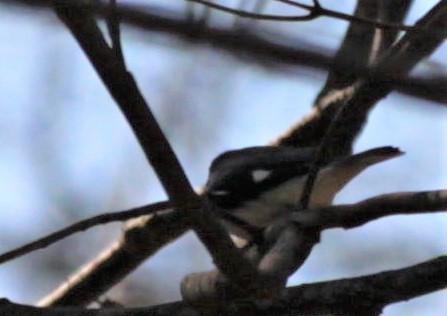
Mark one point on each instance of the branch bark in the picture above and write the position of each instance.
(291, 238)
(371, 293)
(123, 88)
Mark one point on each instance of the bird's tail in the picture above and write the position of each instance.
(334, 176)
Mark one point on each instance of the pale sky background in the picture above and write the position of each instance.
(66, 152)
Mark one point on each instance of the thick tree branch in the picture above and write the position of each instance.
(123, 88)
(368, 42)
(369, 89)
(338, 117)
(377, 290)
(369, 292)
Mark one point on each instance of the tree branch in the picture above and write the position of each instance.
(318, 11)
(291, 238)
(373, 291)
(354, 215)
(123, 88)
(257, 16)
(347, 216)
(368, 42)
(338, 118)
(142, 237)
(261, 45)
(82, 226)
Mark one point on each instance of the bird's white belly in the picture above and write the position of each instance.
(272, 204)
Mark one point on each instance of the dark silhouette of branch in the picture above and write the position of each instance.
(354, 215)
(293, 237)
(82, 226)
(368, 43)
(113, 26)
(142, 237)
(123, 88)
(318, 10)
(256, 16)
(337, 298)
(348, 113)
(323, 298)
(346, 216)
(261, 45)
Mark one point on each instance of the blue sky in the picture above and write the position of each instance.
(68, 154)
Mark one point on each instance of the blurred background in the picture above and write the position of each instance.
(66, 152)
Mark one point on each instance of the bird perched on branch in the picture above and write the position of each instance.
(252, 187)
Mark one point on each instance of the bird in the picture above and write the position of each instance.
(250, 188)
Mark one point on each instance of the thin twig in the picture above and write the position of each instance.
(141, 238)
(315, 11)
(319, 158)
(321, 11)
(354, 215)
(259, 47)
(82, 226)
(113, 26)
(246, 14)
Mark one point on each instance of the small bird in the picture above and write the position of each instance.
(252, 187)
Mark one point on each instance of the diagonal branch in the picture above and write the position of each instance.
(346, 118)
(113, 26)
(82, 226)
(368, 42)
(123, 88)
(141, 238)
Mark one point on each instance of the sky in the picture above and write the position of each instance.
(66, 152)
